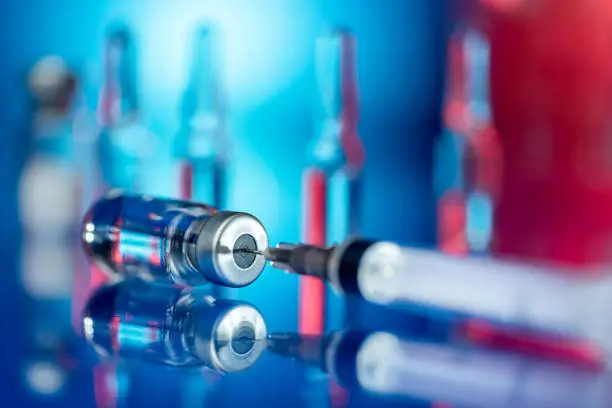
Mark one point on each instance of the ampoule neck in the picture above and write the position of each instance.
(202, 96)
(336, 74)
(119, 100)
(477, 54)
(337, 145)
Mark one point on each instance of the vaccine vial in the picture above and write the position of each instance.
(183, 242)
(176, 326)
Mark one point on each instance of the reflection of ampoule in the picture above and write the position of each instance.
(169, 325)
(331, 183)
(388, 365)
(124, 141)
(199, 144)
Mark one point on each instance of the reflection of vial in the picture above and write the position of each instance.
(331, 182)
(199, 145)
(184, 242)
(124, 141)
(173, 326)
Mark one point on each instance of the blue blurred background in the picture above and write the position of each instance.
(268, 77)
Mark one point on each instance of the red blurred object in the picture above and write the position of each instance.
(186, 180)
(105, 385)
(455, 108)
(339, 396)
(484, 162)
(452, 223)
(116, 254)
(115, 322)
(551, 77)
(451, 204)
(551, 133)
(577, 352)
(312, 290)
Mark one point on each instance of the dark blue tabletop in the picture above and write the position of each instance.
(153, 345)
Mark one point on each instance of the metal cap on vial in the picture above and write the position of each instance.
(234, 340)
(225, 247)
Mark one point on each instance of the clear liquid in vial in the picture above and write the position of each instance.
(144, 236)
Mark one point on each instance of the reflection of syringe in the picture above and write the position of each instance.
(387, 365)
(502, 292)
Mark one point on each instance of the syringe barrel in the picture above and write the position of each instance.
(179, 241)
(526, 296)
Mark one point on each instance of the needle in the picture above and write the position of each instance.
(249, 251)
(271, 254)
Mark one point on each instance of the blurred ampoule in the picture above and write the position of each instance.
(483, 161)
(53, 189)
(125, 143)
(133, 322)
(331, 181)
(49, 203)
(449, 153)
(200, 145)
(331, 193)
(50, 184)
(468, 155)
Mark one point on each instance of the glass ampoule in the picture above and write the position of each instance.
(124, 142)
(200, 144)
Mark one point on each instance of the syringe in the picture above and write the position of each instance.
(530, 297)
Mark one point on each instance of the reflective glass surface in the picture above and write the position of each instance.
(150, 344)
